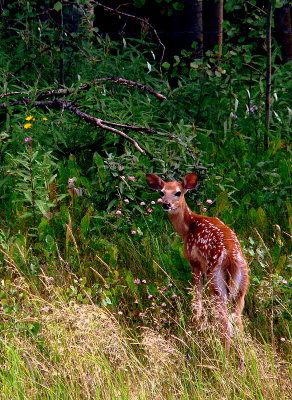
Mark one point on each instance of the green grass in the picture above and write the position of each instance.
(75, 325)
(83, 351)
(56, 343)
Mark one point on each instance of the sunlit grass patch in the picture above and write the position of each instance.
(84, 351)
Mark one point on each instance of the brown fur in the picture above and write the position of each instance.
(212, 250)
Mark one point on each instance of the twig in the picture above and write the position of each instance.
(60, 91)
(141, 20)
(13, 94)
(255, 6)
(28, 363)
(127, 82)
(253, 68)
(178, 139)
(93, 120)
(20, 82)
(98, 274)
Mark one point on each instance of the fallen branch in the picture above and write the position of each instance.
(67, 105)
(103, 124)
(127, 82)
(86, 86)
(13, 94)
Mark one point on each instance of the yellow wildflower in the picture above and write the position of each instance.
(30, 118)
(27, 125)
(44, 119)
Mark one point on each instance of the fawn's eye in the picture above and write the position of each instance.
(177, 194)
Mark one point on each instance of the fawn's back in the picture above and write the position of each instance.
(214, 247)
(211, 248)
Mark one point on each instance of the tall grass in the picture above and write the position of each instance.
(56, 348)
(84, 352)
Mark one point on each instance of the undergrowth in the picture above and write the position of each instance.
(95, 292)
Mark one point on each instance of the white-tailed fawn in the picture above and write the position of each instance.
(213, 251)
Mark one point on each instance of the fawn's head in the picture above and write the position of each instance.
(172, 193)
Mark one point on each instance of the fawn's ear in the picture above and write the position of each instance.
(154, 182)
(190, 181)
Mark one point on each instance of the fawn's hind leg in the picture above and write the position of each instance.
(238, 307)
(197, 296)
(219, 295)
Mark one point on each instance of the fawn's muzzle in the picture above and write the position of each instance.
(166, 206)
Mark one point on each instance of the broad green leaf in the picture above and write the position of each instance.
(58, 6)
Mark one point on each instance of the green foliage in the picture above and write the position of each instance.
(32, 174)
(78, 224)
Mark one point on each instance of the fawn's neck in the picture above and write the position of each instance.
(181, 219)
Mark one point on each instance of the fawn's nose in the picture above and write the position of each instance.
(166, 206)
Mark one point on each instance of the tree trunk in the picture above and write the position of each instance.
(283, 31)
(194, 25)
(213, 30)
(186, 27)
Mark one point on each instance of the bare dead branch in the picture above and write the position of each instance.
(86, 86)
(253, 68)
(13, 94)
(178, 139)
(64, 104)
(60, 91)
(20, 82)
(113, 79)
(127, 82)
(255, 6)
(103, 124)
